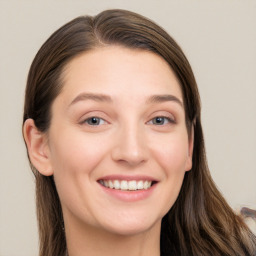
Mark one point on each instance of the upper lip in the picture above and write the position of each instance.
(128, 177)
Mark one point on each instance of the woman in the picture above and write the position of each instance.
(113, 133)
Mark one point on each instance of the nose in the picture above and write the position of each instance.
(130, 147)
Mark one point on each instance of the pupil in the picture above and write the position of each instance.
(159, 120)
(94, 120)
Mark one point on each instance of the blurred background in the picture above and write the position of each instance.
(219, 39)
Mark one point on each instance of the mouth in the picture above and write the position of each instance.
(127, 185)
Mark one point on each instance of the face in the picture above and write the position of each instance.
(118, 145)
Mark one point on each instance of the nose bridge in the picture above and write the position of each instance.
(130, 144)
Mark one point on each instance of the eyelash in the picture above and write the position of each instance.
(167, 120)
(95, 118)
(100, 121)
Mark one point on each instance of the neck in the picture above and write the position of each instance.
(90, 241)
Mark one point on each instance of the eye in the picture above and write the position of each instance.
(94, 121)
(161, 120)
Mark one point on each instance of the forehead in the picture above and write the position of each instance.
(118, 70)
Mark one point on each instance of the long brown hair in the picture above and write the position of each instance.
(200, 222)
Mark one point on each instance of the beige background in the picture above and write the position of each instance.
(219, 39)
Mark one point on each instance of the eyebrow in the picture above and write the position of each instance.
(106, 98)
(91, 96)
(164, 98)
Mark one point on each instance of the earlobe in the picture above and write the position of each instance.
(37, 147)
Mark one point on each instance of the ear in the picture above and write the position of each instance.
(189, 163)
(38, 149)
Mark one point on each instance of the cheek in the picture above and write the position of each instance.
(75, 158)
(172, 154)
(76, 153)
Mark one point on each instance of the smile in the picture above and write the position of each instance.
(131, 185)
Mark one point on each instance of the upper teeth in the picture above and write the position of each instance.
(126, 185)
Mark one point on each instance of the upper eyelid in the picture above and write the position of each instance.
(97, 114)
(163, 113)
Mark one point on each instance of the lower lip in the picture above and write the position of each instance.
(129, 196)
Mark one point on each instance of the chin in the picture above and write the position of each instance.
(133, 227)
